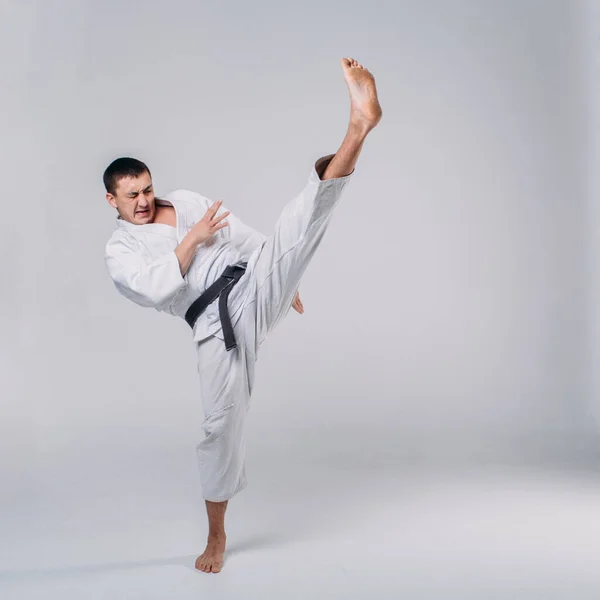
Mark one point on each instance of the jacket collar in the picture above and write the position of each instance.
(127, 226)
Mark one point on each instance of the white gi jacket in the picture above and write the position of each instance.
(142, 263)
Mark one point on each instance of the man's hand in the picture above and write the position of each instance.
(297, 304)
(209, 224)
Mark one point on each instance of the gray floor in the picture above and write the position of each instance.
(308, 530)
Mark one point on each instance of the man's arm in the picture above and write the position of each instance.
(186, 251)
(148, 283)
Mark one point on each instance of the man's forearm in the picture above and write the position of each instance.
(185, 252)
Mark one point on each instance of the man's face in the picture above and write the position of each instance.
(134, 199)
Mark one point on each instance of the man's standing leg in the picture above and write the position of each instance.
(226, 382)
(211, 561)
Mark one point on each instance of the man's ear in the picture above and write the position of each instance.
(111, 200)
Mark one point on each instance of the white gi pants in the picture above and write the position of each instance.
(227, 378)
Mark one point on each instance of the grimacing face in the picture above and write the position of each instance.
(134, 199)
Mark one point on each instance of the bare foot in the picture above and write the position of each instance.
(212, 559)
(365, 110)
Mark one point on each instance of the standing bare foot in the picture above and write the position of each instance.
(212, 559)
(365, 110)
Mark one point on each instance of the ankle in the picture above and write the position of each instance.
(358, 128)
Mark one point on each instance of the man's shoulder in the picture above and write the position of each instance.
(185, 195)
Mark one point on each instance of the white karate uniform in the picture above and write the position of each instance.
(142, 263)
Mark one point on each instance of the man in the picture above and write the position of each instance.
(192, 258)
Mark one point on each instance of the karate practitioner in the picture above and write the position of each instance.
(190, 257)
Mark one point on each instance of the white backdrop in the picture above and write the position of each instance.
(449, 310)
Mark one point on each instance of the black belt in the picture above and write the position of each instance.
(219, 289)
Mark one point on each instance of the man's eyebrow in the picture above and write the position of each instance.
(136, 192)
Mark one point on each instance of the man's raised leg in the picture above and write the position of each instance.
(365, 114)
(285, 255)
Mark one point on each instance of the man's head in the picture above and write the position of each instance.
(129, 189)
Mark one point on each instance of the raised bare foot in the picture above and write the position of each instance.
(365, 110)
(212, 559)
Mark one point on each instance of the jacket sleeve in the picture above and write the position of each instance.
(147, 283)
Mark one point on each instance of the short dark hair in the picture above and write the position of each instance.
(122, 167)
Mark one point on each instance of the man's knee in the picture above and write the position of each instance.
(225, 421)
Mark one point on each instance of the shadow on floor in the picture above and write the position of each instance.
(251, 543)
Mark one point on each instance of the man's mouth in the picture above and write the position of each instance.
(142, 212)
